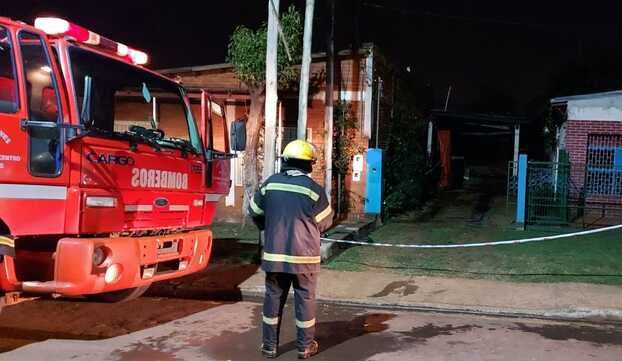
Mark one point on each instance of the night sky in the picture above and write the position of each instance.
(499, 56)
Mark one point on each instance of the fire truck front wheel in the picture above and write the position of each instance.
(121, 295)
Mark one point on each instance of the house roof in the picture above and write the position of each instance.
(608, 94)
(363, 50)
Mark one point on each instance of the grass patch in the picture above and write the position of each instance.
(234, 243)
(235, 231)
(594, 258)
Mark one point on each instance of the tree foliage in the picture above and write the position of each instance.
(345, 137)
(247, 51)
(406, 182)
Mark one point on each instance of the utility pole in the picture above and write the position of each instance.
(328, 112)
(271, 89)
(304, 71)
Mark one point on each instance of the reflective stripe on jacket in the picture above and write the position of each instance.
(293, 210)
(7, 246)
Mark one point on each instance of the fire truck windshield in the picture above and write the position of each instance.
(119, 98)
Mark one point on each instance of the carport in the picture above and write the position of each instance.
(456, 139)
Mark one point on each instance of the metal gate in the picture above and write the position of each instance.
(548, 192)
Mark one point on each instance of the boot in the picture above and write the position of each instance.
(269, 352)
(309, 351)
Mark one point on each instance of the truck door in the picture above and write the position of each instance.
(33, 174)
(216, 138)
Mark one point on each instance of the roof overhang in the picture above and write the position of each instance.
(605, 106)
(477, 120)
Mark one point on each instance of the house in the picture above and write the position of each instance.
(591, 135)
(363, 82)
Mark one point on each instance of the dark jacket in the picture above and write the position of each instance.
(293, 210)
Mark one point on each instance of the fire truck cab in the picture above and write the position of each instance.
(107, 183)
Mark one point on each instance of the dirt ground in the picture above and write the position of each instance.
(46, 318)
(232, 332)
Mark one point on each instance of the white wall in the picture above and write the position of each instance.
(605, 108)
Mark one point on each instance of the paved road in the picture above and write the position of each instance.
(229, 331)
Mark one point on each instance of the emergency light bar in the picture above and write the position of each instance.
(58, 26)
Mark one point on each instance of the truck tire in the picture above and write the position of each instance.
(121, 295)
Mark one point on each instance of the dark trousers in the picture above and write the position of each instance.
(277, 289)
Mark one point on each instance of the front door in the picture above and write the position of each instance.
(33, 174)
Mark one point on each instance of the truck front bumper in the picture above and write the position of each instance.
(127, 262)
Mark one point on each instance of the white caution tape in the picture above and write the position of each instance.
(481, 244)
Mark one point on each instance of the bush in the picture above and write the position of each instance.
(405, 179)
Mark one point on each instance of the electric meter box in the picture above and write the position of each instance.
(357, 167)
(373, 189)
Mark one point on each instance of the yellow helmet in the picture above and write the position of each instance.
(299, 149)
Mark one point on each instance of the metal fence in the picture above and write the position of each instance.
(548, 193)
(512, 183)
(563, 193)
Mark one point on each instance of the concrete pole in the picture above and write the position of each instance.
(279, 136)
(430, 135)
(516, 147)
(328, 111)
(271, 89)
(304, 71)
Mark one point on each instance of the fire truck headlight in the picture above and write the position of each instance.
(101, 202)
(99, 256)
(113, 273)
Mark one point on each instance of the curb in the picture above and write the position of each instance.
(582, 315)
(345, 232)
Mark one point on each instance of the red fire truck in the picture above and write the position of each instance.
(107, 183)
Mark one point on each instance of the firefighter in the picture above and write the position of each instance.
(293, 210)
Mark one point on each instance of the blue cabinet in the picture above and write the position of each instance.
(373, 189)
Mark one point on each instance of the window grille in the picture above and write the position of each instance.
(604, 165)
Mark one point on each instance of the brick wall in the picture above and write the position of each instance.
(576, 143)
(351, 84)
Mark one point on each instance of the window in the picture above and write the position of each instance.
(8, 82)
(604, 165)
(40, 87)
(219, 129)
(124, 98)
(45, 150)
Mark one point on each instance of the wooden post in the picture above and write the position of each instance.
(304, 71)
(271, 89)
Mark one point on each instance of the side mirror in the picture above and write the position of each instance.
(238, 135)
